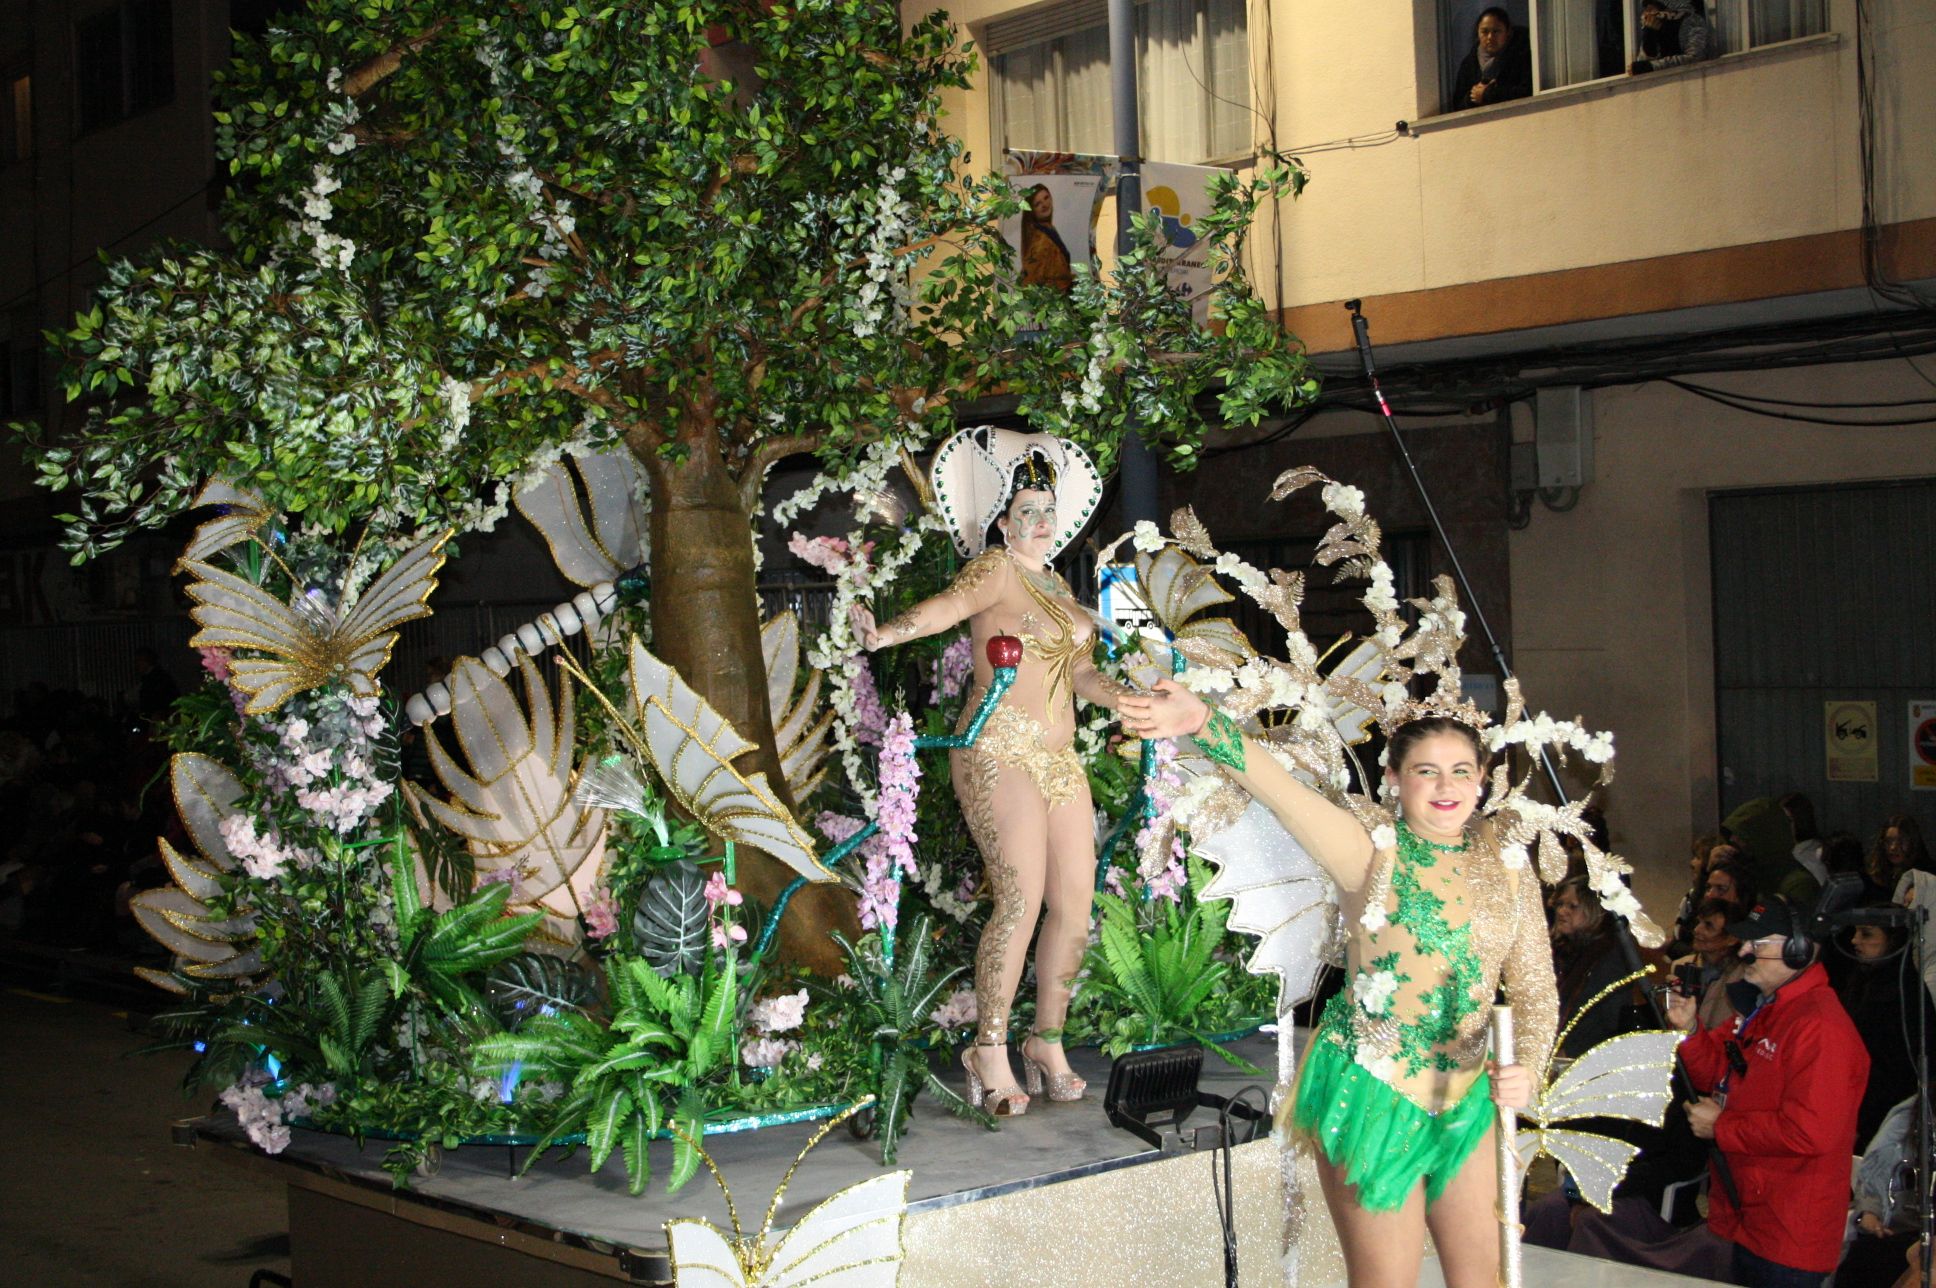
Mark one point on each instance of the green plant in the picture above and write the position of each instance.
(1157, 962)
(893, 1002)
(673, 923)
(668, 1042)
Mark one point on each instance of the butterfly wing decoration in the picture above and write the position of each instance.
(1628, 1076)
(244, 514)
(1178, 590)
(800, 739)
(306, 643)
(851, 1240)
(693, 748)
(1278, 894)
(612, 540)
(511, 795)
(177, 916)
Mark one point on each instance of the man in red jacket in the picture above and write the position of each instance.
(1781, 1086)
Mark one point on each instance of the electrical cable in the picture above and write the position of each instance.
(1817, 406)
(1225, 1195)
(1808, 420)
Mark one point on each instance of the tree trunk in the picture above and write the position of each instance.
(706, 623)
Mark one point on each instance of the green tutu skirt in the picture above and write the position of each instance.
(1385, 1143)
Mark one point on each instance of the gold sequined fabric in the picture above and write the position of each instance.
(1013, 738)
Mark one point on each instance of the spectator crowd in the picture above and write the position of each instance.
(1793, 974)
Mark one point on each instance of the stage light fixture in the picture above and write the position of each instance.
(1152, 1093)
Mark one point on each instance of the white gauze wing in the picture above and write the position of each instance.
(1278, 894)
(176, 916)
(245, 516)
(1596, 1163)
(702, 1257)
(853, 1240)
(588, 553)
(511, 799)
(692, 747)
(1629, 1076)
(797, 736)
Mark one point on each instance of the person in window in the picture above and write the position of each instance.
(1499, 68)
(1672, 33)
(1045, 259)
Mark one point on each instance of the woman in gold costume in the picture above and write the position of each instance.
(1022, 787)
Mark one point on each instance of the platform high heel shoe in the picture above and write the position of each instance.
(1002, 1102)
(1063, 1088)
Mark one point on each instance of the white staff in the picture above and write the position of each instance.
(1502, 1052)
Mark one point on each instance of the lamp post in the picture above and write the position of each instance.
(1138, 463)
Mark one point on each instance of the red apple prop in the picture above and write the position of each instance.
(1004, 651)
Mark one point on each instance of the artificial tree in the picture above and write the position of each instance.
(465, 237)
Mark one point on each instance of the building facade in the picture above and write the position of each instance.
(1670, 297)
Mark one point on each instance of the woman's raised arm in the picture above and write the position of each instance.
(1327, 832)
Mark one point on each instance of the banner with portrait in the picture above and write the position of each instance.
(1061, 204)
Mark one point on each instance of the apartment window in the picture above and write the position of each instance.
(1051, 79)
(1574, 41)
(19, 362)
(1582, 40)
(124, 61)
(16, 115)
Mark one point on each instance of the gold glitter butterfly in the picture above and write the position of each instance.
(308, 642)
(853, 1240)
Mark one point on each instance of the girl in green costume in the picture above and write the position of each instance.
(1396, 1091)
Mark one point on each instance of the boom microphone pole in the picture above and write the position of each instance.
(1362, 330)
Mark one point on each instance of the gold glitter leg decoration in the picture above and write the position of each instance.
(1069, 892)
(1009, 823)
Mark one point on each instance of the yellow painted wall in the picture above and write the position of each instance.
(1746, 149)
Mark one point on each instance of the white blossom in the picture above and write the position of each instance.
(1147, 539)
(1373, 991)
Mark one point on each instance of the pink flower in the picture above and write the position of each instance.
(718, 892)
(953, 667)
(722, 935)
(836, 827)
(601, 914)
(830, 554)
(890, 852)
(869, 717)
(216, 662)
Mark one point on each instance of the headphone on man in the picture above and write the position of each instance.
(1798, 949)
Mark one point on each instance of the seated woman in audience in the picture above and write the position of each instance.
(1716, 962)
(1878, 988)
(1729, 880)
(1587, 961)
(1899, 850)
(1704, 846)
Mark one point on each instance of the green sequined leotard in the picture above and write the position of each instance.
(1394, 1087)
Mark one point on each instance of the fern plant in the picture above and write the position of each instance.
(893, 1003)
(1157, 962)
(670, 1043)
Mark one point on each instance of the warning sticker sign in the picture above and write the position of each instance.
(1849, 730)
(1922, 746)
